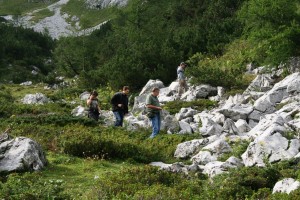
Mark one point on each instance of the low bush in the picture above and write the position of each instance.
(208, 70)
(51, 119)
(148, 183)
(115, 143)
(241, 183)
(69, 93)
(30, 186)
(238, 148)
(6, 102)
(288, 168)
(294, 195)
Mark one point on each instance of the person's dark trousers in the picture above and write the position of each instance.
(119, 115)
(94, 115)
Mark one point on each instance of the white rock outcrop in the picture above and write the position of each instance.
(37, 98)
(286, 185)
(21, 154)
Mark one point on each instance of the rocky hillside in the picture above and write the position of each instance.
(266, 116)
(59, 23)
(256, 128)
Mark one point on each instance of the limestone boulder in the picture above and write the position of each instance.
(21, 154)
(37, 98)
(79, 111)
(270, 148)
(286, 185)
(187, 149)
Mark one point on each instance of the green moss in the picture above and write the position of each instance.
(42, 14)
(280, 105)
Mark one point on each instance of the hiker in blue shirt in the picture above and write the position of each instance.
(181, 79)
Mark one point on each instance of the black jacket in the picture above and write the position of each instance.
(119, 98)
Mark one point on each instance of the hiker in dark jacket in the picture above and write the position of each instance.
(120, 105)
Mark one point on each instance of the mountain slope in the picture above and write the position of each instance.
(64, 17)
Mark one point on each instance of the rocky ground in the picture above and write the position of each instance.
(58, 25)
(266, 116)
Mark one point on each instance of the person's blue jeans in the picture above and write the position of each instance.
(119, 116)
(155, 125)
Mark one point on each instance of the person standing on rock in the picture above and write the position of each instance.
(182, 88)
(93, 104)
(120, 105)
(153, 109)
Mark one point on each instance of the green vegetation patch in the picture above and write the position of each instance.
(65, 177)
(200, 104)
(115, 143)
(20, 7)
(88, 17)
(42, 14)
(238, 148)
(147, 183)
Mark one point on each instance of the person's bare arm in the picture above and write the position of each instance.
(153, 107)
(88, 101)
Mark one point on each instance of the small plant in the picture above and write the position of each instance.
(290, 135)
(280, 105)
(238, 148)
(233, 92)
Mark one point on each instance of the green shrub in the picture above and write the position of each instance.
(51, 119)
(147, 183)
(262, 193)
(115, 143)
(208, 70)
(272, 27)
(69, 93)
(31, 186)
(59, 108)
(295, 195)
(6, 103)
(241, 183)
(288, 168)
(21, 50)
(238, 148)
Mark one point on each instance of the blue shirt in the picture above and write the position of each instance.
(180, 73)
